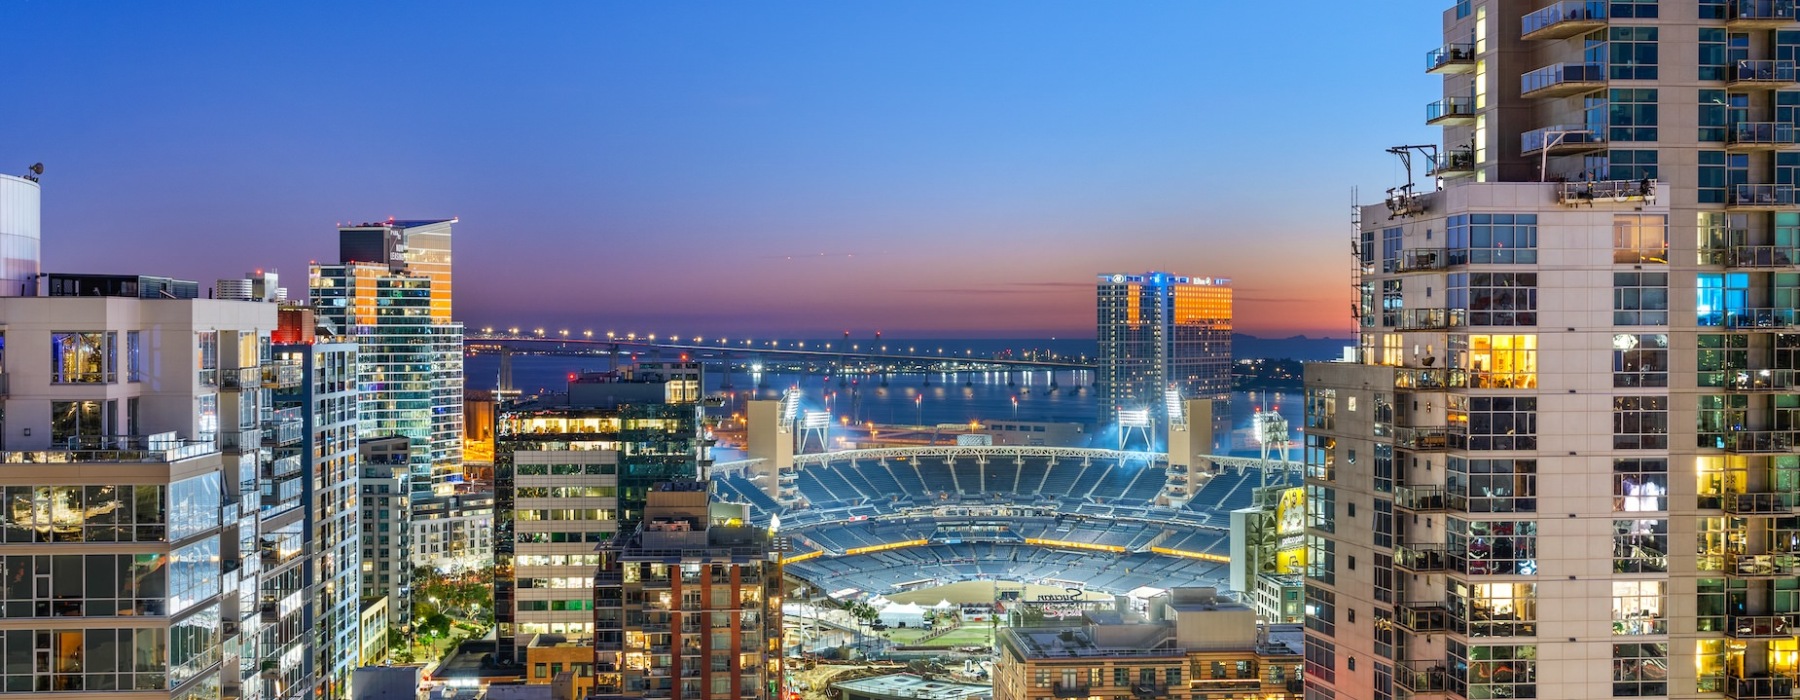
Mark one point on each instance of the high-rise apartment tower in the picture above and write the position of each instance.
(1562, 464)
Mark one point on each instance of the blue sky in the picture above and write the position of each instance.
(934, 168)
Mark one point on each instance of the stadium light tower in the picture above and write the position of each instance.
(790, 407)
(1176, 409)
(1134, 419)
(1271, 432)
(815, 423)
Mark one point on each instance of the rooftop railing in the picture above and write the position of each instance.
(125, 449)
(1605, 191)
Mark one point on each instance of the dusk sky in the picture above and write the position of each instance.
(933, 169)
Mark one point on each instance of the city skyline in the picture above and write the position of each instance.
(863, 168)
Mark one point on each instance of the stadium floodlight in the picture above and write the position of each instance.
(1134, 418)
(1172, 401)
(790, 404)
(816, 420)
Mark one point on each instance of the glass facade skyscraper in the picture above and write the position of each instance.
(1158, 332)
(396, 307)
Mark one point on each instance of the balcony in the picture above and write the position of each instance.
(1759, 136)
(282, 376)
(1456, 163)
(1422, 439)
(1760, 380)
(1562, 80)
(1559, 140)
(1421, 260)
(1069, 691)
(1763, 74)
(1450, 110)
(1430, 319)
(1424, 676)
(1759, 14)
(241, 441)
(1420, 499)
(1580, 193)
(1422, 558)
(1760, 626)
(1754, 319)
(1450, 58)
(240, 379)
(1762, 256)
(1756, 441)
(1422, 618)
(119, 449)
(1563, 20)
(1762, 566)
(1429, 379)
(1760, 197)
(1763, 688)
(1758, 503)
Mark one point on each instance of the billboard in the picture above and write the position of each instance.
(1290, 532)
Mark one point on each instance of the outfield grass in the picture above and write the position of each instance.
(968, 635)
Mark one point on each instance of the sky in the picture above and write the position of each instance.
(929, 169)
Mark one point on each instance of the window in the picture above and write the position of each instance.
(1494, 298)
(1384, 588)
(1638, 608)
(1618, 164)
(1498, 671)
(1492, 239)
(1321, 611)
(207, 357)
(1321, 559)
(1321, 659)
(1640, 485)
(1493, 422)
(1640, 546)
(82, 357)
(1321, 508)
(1640, 669)
(1390, 248)
(1640, 360)
(1640, 422)
(1494, 547)
(1712, 67)
(76, 424)
(1641, 298)
(1496, 361)
(1712, 180)
(1383, 526)
(134, 359)
(1623, 115)
(1642, 9)
(1393, 303)
(1628, 52)
(1384, 468)
(1495, 609)
(1492, 485)
(1640, 239)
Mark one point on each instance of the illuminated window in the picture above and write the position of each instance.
(1640, 238)
(1640, 360)
(1498, 361)
(1640, 485)
(1489, 547)
(1640, 669)
(1640, 546)
(1496, 609)
(1638, 608)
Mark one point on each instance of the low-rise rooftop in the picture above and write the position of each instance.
(906, 685)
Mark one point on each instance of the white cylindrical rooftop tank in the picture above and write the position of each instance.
(19, 234)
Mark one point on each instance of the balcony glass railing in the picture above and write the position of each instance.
(1419, 498)
(1431, 319)
(1753, 441)
(1421, 260)
(1562, 75)
(1430, 379)
(1763, 196)
(1426, 676)
(1763, 688)
(1450, 108)
(1454, 161)
(1762, 565)
(1559, 136)
(1756, 256)
(1758, 503)
(1422, 439)
(1449, 55)
(1422, 557)
(1770, 72)
(129, 449)
(1423, 617)
(1571, 12)
(1761, 11)
(1605, 190)
(1750, 380)
(1760, 626)
(1760, 134)
(1769, 318)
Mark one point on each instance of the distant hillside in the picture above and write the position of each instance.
(1299, 347)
